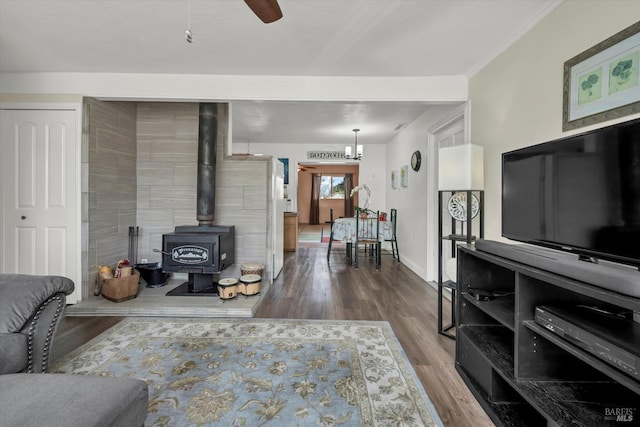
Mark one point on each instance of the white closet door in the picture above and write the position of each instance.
(40, 198)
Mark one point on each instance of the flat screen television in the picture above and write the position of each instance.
(579, 194)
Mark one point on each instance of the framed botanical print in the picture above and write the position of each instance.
(603, 82)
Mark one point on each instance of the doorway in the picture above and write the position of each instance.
(454, 130)
(306, 171)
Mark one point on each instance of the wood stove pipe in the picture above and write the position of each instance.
(207, 141)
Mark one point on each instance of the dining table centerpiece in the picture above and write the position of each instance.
(361, 208)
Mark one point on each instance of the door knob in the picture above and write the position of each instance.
(23, 217)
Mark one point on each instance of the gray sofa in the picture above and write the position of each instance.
(30, 310)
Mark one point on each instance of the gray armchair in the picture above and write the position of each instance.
(30, 310)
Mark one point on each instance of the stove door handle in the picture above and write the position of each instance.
(162, 252)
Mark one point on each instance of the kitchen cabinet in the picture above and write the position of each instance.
(290, 231)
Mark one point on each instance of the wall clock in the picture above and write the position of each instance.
(416, 159)
(457, 206)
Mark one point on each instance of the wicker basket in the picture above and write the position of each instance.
(122, 288)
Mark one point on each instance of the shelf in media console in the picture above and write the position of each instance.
(619, 279)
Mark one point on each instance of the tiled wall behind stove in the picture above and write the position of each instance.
(167, 135)
(108, 184)
(139, 167)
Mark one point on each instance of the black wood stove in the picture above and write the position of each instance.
(206, 249)
(201, 251)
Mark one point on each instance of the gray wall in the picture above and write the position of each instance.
(139, 169)
(167, 169)
(108, 184)
(167, 166)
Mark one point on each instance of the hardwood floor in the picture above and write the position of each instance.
(309, 288)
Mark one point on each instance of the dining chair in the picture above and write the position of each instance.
(331, 239)
(330, 234)
(368, 235)
(394, 242)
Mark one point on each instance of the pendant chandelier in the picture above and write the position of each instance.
(357, 149)
(188, 35)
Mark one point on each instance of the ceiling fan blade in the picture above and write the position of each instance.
(267, 10)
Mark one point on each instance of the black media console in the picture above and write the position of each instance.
(522, 371)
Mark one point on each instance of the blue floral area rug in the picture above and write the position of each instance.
(254, 372)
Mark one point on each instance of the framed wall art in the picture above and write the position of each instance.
(285, 162)
(602, 83)
(404, 176)
(394, 179)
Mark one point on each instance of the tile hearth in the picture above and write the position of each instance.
(154, 302)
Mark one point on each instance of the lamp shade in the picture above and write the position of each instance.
(461, 167)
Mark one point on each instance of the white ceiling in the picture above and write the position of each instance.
(320, 122)
(314, 38)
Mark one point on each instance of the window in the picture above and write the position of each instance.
(331, 187)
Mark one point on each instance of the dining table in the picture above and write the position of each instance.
(344, 229)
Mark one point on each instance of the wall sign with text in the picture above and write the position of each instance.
(325, 155)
